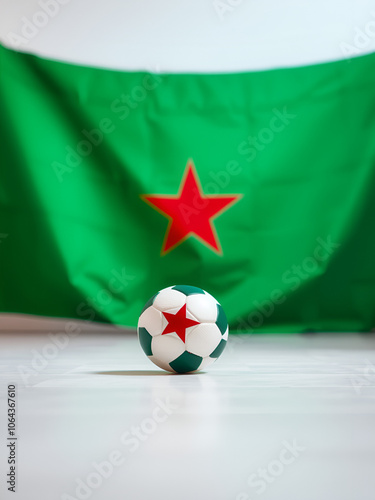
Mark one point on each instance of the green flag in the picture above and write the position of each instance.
(257, 186)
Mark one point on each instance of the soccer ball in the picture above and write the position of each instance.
(182, 329)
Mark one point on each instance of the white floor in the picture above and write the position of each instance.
(276, 417)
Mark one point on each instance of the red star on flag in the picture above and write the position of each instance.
(178, 323)
(191, 212)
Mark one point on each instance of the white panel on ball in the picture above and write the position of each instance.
(152, 320)
(167, 348)
(206, 362)
(202, 307)
(203, 339)
(161, 364)
(169, 299)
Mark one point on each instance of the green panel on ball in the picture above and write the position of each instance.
(221, 322)
(145, 340)
(188, 289)
(219, 349)
(187, 362)
(149, 302)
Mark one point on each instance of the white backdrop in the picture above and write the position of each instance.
(194, 35)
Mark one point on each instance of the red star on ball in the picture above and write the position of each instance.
(178, 323)
(191, 212)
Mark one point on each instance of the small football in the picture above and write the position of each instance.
(182, 329)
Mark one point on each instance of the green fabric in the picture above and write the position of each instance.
(77, 240)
